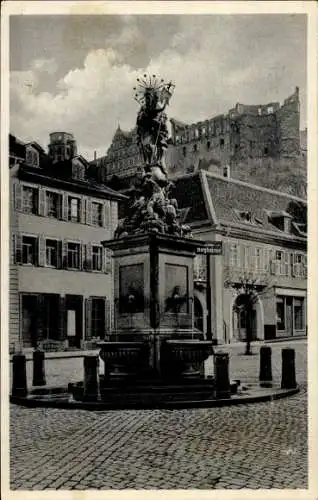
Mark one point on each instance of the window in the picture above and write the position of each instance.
(265, 151)
(221, 142)
(73, 255)
(29, 250)
(97, 256)
(258, 258)
(299, 313)
(280, 313)
(279, 255)
(97, 209)
(74, 209)
(184, 151)
(208, 145)
(270, 110)
(98, 317)
(195, 148)
(51, 253)
(30, 200)
(234, 256)
(259, 111)
(245, 216)
(53, 205)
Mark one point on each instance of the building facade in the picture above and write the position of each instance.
(60, 275)
(258, 131)
(264, 238)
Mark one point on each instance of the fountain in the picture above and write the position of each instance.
(153, 254)
(153, 357)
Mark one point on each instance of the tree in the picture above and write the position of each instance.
(249, 288)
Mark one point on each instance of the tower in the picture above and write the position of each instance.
(62, 146)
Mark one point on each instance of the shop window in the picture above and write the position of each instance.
(73, 209)
(280, 313)
(97, 210)
(30, 200)
(51, 253)
(97, 258)
(73, 255)
(299, 313)
(29, 250)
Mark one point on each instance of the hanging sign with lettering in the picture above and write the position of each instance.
(213, 248)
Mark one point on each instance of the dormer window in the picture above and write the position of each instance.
(245, 216)
(281, 220)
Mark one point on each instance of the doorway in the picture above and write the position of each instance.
(29, 320)
(74, 320)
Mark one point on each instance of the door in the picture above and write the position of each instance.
(74, 320)
(29, 320)
(289, 316)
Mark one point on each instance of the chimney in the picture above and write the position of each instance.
(226, 171)
(95, 155)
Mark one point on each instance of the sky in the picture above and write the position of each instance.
(76, 73)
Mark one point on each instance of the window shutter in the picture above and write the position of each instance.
(103, 214)
(42, 201)
(59, 254)
(88, 318)
(62, 318)
(64, 206)
(252, 258)
(286, 263)
(82, 256)
(41, 250)
(18, 249)
(108, 316)
(226, 254)
(83, 210)
(108, 261)
(89, 211)
(107, 215)
(18, 193)
(89, 264)
(114, 214)
(64, 254)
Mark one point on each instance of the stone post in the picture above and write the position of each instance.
(221, 375)
(265, 372)
(91, 378)
(38, 368)
(288, 369)
(19, 378)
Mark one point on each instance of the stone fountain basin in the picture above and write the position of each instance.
(120, 350)
(189, 349)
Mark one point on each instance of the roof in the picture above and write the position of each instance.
(229, 197)
(81, 186)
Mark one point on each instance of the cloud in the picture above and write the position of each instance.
(214, 64)
(44, 66)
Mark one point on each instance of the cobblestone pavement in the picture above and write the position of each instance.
(262, 445)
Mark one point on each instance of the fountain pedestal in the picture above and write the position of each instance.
(153, 286)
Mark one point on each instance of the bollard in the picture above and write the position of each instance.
(91, 378)
(19, 378)
(221, 375)
(265, 372)
(288, 369)
(38, 368)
